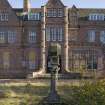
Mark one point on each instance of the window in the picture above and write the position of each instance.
(11, 37)
(55, 12)
(102, 37)
(95, 17)
(3, 16)
(6, 60)
(59, 34)
(60, 13)
(32, 60)
(92, 62)
(48, 34)
(91, 36)
(51, 13)
(34, 16)
(2, 37)
(86, 59)
(54, 33)
(32, 37)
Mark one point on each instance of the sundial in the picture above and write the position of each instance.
(53, 97)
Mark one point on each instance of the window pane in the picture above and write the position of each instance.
(102, 37)
(91, 36)
(34, 16)
(11, 37)
(96, 17)
(51, 13)
(3, 15)
(32, 37)
(54, 33)
(2, 37)
(47, 34)
(60, 13)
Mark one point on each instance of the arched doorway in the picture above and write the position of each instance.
(54, 50)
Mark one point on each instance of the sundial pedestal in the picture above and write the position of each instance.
(53, 97)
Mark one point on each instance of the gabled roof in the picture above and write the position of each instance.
(4, 5)
(54, 3)
(74, 7)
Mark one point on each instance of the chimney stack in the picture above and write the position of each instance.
(26, 6)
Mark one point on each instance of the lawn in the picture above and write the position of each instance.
(28, 93)
(32, 93)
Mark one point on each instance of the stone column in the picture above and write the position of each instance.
(65, 60)
(43, 55)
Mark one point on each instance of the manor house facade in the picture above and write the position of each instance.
(26, 34)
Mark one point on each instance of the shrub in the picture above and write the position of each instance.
(89, 94)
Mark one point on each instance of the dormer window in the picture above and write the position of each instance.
(3, 16)
(96, 17)
(34, 16)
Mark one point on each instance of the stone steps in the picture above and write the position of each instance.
(72, 75)
(60, 76)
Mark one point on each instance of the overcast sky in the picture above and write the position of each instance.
(78, 3)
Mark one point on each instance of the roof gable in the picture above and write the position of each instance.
(54, 3)
(12, 17)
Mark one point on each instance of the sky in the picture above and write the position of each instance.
(77, 3)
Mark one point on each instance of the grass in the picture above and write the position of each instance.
(28, 93)
(23, 95)
(69, 91)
